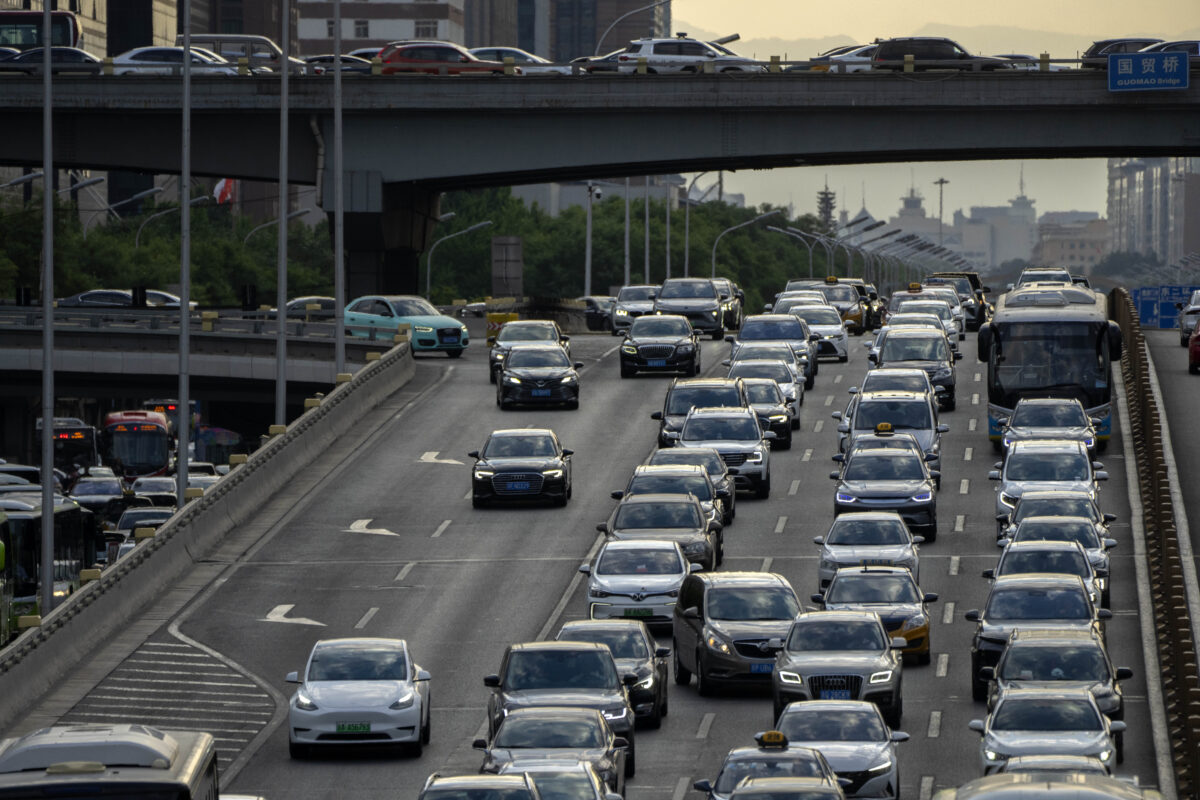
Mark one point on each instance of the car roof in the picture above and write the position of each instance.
(602, 625)
(559, 712)
(1047, 693)
(824, 706)
(1034, 580)
(555, 646)
(1046, 446)
(914, 333)
(770, 317)
(474, 780)
(680, 382)
(1033, 636)
(744, 578)
(830, 615)
(1041, 544)
(669, 469)
(640, 544)
(894, 394)
(659, 498)
(866, 515)
(362, 641)
(523, 432)
(1048, 401)
(722, 411)
(862, 569)
(529, 323)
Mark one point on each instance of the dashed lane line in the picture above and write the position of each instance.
(955, 562)
(403, 573)
(971, 424)
(766, 565)
(970, 451)
(926, 787)
(935, 724)
(705, 725)
(818, 425)
(829, 400)
(948, 613)
(806, 457)
(795, 487)
(366, 618)
(943, 665)
(779, 524)
(959, 522)
(681, 788)
(964, 486)
(441, 529)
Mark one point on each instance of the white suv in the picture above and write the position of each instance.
(682, 54)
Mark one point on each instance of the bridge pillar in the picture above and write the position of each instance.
(383, 248)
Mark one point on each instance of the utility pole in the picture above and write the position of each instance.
(940, 183)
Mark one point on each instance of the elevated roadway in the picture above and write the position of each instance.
(460, 584)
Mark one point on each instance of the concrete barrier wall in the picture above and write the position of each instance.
(42, 657)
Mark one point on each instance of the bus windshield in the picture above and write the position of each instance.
(1060, 359)
(139, 449)
(23, 29)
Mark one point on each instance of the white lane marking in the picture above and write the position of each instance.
(363, 526)
(964, 485)
(682, 788)
(224, 693)
(705, 724)
(166, 644)
(795, 487)
(926, 787)
(779, 524)
(441, 529)
(959, 522)
(766, 565)
(157, 707)
(837, 378)
(807, 456)
(431, 457)
(279, 614)
(955, 562)
(818, 425)
(968, 453)
(149, 702)
(975, 399)
(943, 664)
(609, 351)
(978, 377)
(971, 424)
(467, 496)
(175, 682)
(403, 573)
(362, 623)
(829, 400)
(935, 724)
(948, 613)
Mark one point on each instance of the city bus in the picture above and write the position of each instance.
(23, 29)
(171, 409)
(117, 760)
(74, 444)
(1050, 342)
(137, 443)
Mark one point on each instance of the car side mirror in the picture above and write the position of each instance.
(775, 642)
(578, 365)
(564, 338)
(994, 475)
(833, 476)
(899, 736)
(844, 427)
(602, 527)
(479, 744)
(930, 597)
(1116, 726)
(934, 473)
(839, 457)
(943, 428)
(694, 567)
(1101, 572)
(423, 675)
(617, 495)
(836, 415)
(726, 363)
(771, 436)
(1110, 517)
(987, 673)
(958, 355)
(1101, 475)
(1003, 542)
(818, 540)
(730, 339)
(988, 573)
(918, 540)
(672, 436)
(715, 527)
(972, 615)
(814, 337)
(976, 725)
(656, 415)
(1109, 544)
(1001, 517)
(1124, 673)
(586, 569)
(872, 357)
(474, 454)
(702, 786)
(1097, 465)
(1103, 613)
(568, 452)
(691, 612)
(492, 681)
(931, 457)
(491, 340)
(899, 643)
(292, 677)
(817, 598)
(662, 652)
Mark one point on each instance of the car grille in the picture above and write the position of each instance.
(503, 483)
(656, 350)
(821, 683)
(449, 335)
(826, 347)
(857, 779)
(749, 648)
(734, 459)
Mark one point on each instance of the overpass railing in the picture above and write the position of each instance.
(1168, 593)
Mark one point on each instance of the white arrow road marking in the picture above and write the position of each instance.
(431, 457)
(360, 526)
(279, 614)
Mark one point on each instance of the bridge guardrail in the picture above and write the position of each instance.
(1177, 653)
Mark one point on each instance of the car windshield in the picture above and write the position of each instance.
(538, 357)
(829, 635)
(672, 290)
(775, 370)
(764, 350)
(899, 414)
(133, 518)
(635, 294)
(1067, 561)
(518, 732)
(636, 516)
(563, 785)
(559, 669)
(818, 315)
(783, 765)
(1046, 714)
(671, 484)
(882, 380)
(868, 588)
(710, 460)
(153, 485)
(1064, 415)
(1054, 663)
(97, 486)
(478, 793)
(843, 725)
(840, 294)
(1055, 507)
(913, 348)
(914, 321)
(683, 399)
(413, 307)
(527, 333)
(535, 446)
(884, 465)
(622, 643)
(1043, 466)
(824, 793)
(939, 310)
(752, 603)
(660, 326)
(358, 663)
(849, 531)
(767, 330)
(764, 393)
(639, 562)
(722, 429)
(1061, 530)
(1018, 603)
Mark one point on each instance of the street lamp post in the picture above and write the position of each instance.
(608, 30)
(429, 258)
(721, 235)
(646, 230)
(587, 247)
(627, 277)
(821, 240)
(298, 213)
(802, 241)
(687, 213)
(132, 199)
(195, 201)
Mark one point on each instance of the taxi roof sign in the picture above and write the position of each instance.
(883, 428)
(771, 739)
(914, 287)
(829, 279)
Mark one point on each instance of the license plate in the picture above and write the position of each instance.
(449, 340)
(354, 727)
(762, 668)
(836, 694)
(657, 362)
(519, 485)
(639, 612)
(541, 392)
(877, 562)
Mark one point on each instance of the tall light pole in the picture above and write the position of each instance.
(298, 213)
(646, 230)
(47, 554)
(587, 247)
(721, 235)
(687, 213)
(802, 241)
(183, 435)
(132, 199)
(940, 183)
(339, 204)
(281, 250)
(608, 30)
(195, 201)
(429, 258)
(667, 246)
(627, 277)
(821, 240)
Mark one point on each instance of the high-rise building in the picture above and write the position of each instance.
(1154, 206)
(1073, 239)
(490, 23)
(378, 22)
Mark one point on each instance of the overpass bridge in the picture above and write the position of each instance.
(408, 138)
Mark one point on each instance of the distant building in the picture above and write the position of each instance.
(988, 236)
(1076, 240)
(1154, 206)
(490, 23)
(375, 23)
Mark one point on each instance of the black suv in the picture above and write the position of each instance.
(1096, 56)
(684, 395)
(695, 298)
(931, 52)
(733, 302)
(660, 343)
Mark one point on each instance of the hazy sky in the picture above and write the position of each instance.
(1061, 27)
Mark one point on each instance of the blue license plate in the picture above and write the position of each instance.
(449, 340)
(761, 668)
(519, 486)
(541, 392)
(836, 694)
(656, 362)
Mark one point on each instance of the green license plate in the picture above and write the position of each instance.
(638, 612)
(354, 727)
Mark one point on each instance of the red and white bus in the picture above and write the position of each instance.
(23, 29)
(137, 443)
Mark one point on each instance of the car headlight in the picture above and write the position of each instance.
(694, 548)
(922, 497)
(512, 379)
(755, 458)
(620, 312)
(880, 768)
(715, 311)
(1089, 442)
(827, 564)
(404, 701)
(463, 328)
(1104, 755)
(684, 348)
(304, 702)
(943, 372)
(646, 683)
(484, 473)
(778, 418)
(717, 643)
(843, 497)
(629, 349)
(790, 678)
(499, 356)
(570, 378)
(552, 473)
(613, 714)
(880, 677)
(1008, 499)
(993, 755)
(422, 329)
(914, 622)
(596, 591)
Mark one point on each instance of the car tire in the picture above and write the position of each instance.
(683, 675)
(691, 370)
(491, 375)
(949, 404)
(654, 721)
(978, 687)
(573, 405)
(1120, 737)
(718, 334)
(763, 490)
(810, 380)
(924, 658)
(704, 686)
(297, 751)
(427, 728)
(631, 758)
(843, 359)
(1194, 369)
(796, 422)
(931, 534)
(662, 709)
(1183, 340)
(454, 353)
(896, 713)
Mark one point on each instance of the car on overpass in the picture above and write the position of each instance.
(528, 62)
(431, 331)
(436, 58)
(154, 60)
(931, 53)
(1096, 56)
(681, 54)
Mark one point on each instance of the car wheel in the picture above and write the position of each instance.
(662, 708)
(654, 721)
(810, 380)
(454, 353)
(718, 334)
(1183, 340)
(949, 404)
(491, 375)
(931, 534)
(1105, 599)
(631, 757)
(816, 366)
(763, 490)
(297, 750)
(682, 674)
(427, 728)
(796, 422)
(978, 687)
(703, 683)
(691, 370)
(573, 405)
(924, 658)
(1194, 369)
(843, 359)
(895, 713)
(414, 748)
(1120, 737)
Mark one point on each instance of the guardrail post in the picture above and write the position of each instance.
(106, 65)
(376, 66)
(29, 621)
(143, 533)
(277, 430)
(1044, 62)
(641, 66)
(708, 68)
(243, 65)
(510, 65)
(192, 493)
(208, 320)
(236, 460)
(343, 377)
(908, 62)
(775, 65)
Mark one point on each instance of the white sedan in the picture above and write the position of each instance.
(169, 61)
(359, 691)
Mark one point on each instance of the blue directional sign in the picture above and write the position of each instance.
(1140, 72)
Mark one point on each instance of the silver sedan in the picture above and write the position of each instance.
(867, 538)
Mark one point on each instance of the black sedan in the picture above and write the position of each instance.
(889, 480)
(660, 343)
(538, 374)
(521, 464)
(635, 653)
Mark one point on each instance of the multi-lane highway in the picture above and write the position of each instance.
(387, 544)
